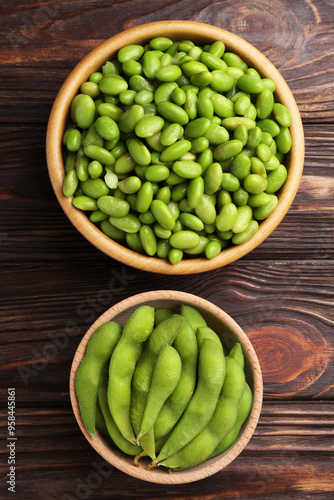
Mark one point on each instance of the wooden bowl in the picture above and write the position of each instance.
(229, 331)
(176, 30)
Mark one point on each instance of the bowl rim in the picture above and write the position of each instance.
(201, 32)
(117, 459)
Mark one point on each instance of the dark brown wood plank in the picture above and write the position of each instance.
(275, 463)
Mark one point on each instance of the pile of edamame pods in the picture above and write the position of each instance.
(163, 386)
(176, 150)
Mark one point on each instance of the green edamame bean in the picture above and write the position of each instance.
(216, 134)
(258, 200)
(132, 67)
(234, 60)
(195, 191)
(144, 98)
(129, 119)
(147, 218)
(197, 128)
(268, 125)
(161, 232)
(228, 150)
(100, 154)
(133, 241)
(241, 134)
(242, 104)
(124, 164)
(205, 159)
(213, 178)
(179, 191)
(171, 134)
(144, 197)
(112, 85)
(222, 82)
(163, 214)
(175, 255)
(191, 221)
(110, 230)
(244, 409)
(201, 407)
(206, 210)
(202, 79)
(276, 179)
(255, 183)
(263, 212)
(254, 138)
(175, 151)
(264, 103)
(130, 52)
(107, 128)
(263, 152)
(212, 249)
(87, 378)
(70, 183)
(165, 377)
(96, 77)
(190, 105)
(84, 203)
(247, 234)
(223, 107)
(161, 43)
(139, 152)
(224, 197)
(198, 249)
(148, 240)
(70, 163)
(226, 217)
(243, 219)
(257, 167)
(83, 110)
(240, 166)
(240, 197)
(187, 169)
(199, 145)
(173, 112)
(130, 185)
(113, 206)
(169, 73)
(98, 216)
(174, 208)
(184, 239)
(282, 115)
(127, 97)
(73, 140)
(251, 84)
(128, 223)
(283, 140)
(94, 188)
(95, 169)
(230, 182)
(272, 163)
(111, 110)
(148, 126)
(156, 173)
(226, 410)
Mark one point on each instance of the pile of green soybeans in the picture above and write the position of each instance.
(176, 150)
(163, 386)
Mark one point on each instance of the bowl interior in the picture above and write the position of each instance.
(229, 332)
(201, 34)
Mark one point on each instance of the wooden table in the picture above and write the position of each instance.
(54, 284)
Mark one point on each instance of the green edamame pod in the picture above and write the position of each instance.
(162, 313)
(207, 440)
(237, 354)
(201, 407)
(194, 318)
(87, 379)
(204, 332)
(162, 335)
(165, 377)
(113, 431)
(276, 179)
(122, 366)
(186, 345)
(244, 409)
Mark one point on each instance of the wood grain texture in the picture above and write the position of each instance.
(54, 284)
